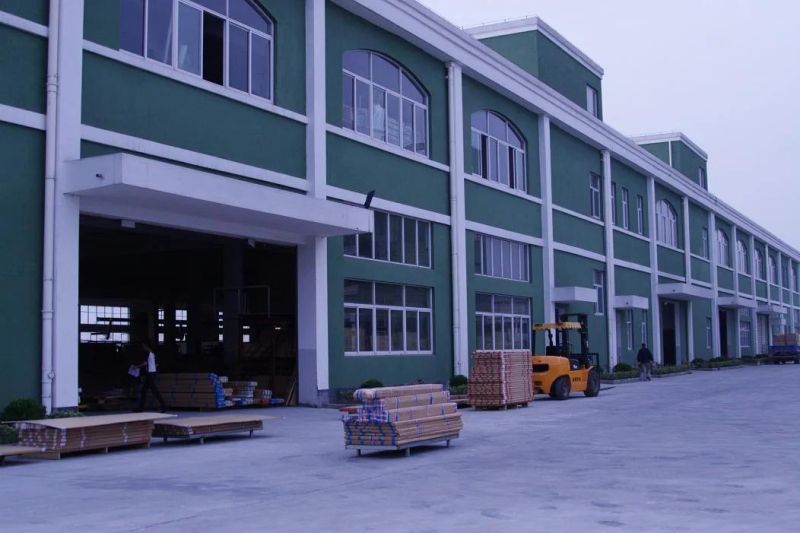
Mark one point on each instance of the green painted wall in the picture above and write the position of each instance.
(701, 311)
(745, 284)
(631, 249)
(687, 162)
(662, 193)
(566, 75)
(698, 220)
(573, 161)
(348, 371)
(349, 32)
(21, 197)
(632, 282)
(478, 97)
(23, 69)
(724, 278)
(574, 231)
(35, 10)
(124, 99)
(520, 48)
(701, 270)
(496, 208)
(761, 289)
(636, 184)
(660, 150)
(101, 25)
(359, 167)
(671, 261)
(775, 292)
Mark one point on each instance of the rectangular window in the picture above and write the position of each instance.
(239, 59)
(600, 287)
(159, 30)
(701, 177)
(643, 332)
(387, 319)
(213, 48)
(502, 322)
(420, 131)
(629, 329)
(348, 105)
(362, 107)
(396, 239)
(625, 215)
(705, 250)
(261, 67)
(708, 332)
(180, 325)
(501, 258)
(613, 203)
(595, 195)
(639, 214)
(131, 27)
(592, 101)
(744, 334)
(105, 324)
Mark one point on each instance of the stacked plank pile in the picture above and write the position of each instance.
(401, 416)
(242, 392)
(500, 379)
(192, 391)
(203, 426)
(66, 435)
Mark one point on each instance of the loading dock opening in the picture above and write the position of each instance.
(211, 304)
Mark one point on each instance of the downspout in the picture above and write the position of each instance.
(48, 252)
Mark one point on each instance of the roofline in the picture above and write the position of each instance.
(442, 39)
(510, 27)
(670, 136)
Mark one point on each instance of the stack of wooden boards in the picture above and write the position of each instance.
(399, 417)
(500, 379)
(65, 435)
(202, 390)
(204, 426)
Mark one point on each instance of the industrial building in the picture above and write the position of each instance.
(199, 172)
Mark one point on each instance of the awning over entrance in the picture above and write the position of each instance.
(772, 309)
(574, 295)
(683, 291)
(736, 302)
(631, 301)
(144, 190)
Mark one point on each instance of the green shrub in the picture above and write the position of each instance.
(458, 389)
(23, 409)
(371, 384)
(458, 380)
(8, 435)
(346, 395)
(666, 370)
(622, 367)
(621, 375)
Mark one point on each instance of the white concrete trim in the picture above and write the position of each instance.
(22, 117)
(737, 302)
(574, 295)
(575, 214)
(630, 233)
(23, 24)
(608, 231)
(668, 247)
(386, 147)
(546, 187)
(669, 137)
(655, 322)
(723, 267)
(712, 249)
(494, 231)
(510, 27)
(682, 291)
(631, 301)
(574, 250)
(701, 258)
(687, 245)
(632, 266)
(189, 157)
(701, 283)
(382, 204)
(671, 276)
(316, 148)
(502, 188)
(154, 67)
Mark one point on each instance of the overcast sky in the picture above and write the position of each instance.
(725, 72)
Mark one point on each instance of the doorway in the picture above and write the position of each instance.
(669, 333)
(723, 334)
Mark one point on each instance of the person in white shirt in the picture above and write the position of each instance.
(148, 374)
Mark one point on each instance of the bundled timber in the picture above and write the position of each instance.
(500, 379)
(17, 451)
(202, 390)
(205, 426)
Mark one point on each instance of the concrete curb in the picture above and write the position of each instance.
(632, 380)
(673, 374)
(720, 368)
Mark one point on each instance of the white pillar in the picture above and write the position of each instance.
(754, 312)
(769, 293)
(687, 267)
(546, 181)
(611, 314)
(312, 321)
(713, 248)
(690, 330)
(780, 289)
(655, 303)
(316, 152)
(458, 215)
(737, 314)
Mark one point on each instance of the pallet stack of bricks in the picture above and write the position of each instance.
(401, 416)
(500, 379)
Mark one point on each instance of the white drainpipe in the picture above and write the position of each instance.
(49, 208)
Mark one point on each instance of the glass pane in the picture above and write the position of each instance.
(362, 107)
(521, 306)
(159, 30)
(261, 82)
(502, 304)
(421, 130)
(506, 259)
(350, 245)
(526, 334)
(411, 331)
(379, 113)
(514, 139)
(487, 256)
(493, 174)
(396, 238)
(408, 125)
(238, 58)
(520, 178)
(381, 236)
(385, 73)
(213, 48)
(503, 169)
(350, 331)
(483, 302)
(246, 13)
(508, 333)
(478, 255)
(365, 245)
(497, 258)
(410, 90)
(417, 297)
(382, 330)
(365, 330)
(517, 333)
(514, 261)
(217, 5)
(423, 239)
(479, 121)
(393, 119)
(425, 340)
(410, 241)
(498, 333)
(357, 291)
(348, 106)
(131, 26)
(477, 155)
(386, 294)
(398, 331)
(488, 337)
(479, 332)
(497, 127)
(357, 62)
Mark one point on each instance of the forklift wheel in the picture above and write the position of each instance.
(592, 384)
(560, 390)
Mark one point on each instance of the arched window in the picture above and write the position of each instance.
(741, 257)
(383, 100)
(498, 150)
(666, 224)
(773, 270)
(758, 258)
(227, 42)
(723, 249)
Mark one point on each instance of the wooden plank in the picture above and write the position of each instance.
(79, 422)
(212, 419)
(17, 451)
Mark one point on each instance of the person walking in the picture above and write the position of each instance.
(645, 359)
(148, 375)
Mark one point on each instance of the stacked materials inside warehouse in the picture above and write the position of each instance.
(400, 417)
(192, 391)
(500, 379)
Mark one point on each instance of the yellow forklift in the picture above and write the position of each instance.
(562, 371)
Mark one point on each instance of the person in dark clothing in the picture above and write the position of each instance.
(148, 374)
(645, 359)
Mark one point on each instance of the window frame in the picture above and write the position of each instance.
(525, 322)
(118, 328)
(666, 224)
(599, 284)
(629, 329)
(723, 249)
(625, 216)
(709, 329)
(772, 270)
(639, 214)
(403, 221)
(484, 244)
(759, 270)
(742, 256)
(706, 249)
(592, 101)
(596, 196)
(745, 334)
(614, 203)
(485, 139)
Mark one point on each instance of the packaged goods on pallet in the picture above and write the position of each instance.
(399, 417)
(262, 397)
(786, 339)
(192, 390)
(243, 392)
(499, 379)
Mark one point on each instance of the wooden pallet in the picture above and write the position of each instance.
(406, 448)
(53, 455)
(17, 451)
(503, 407)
